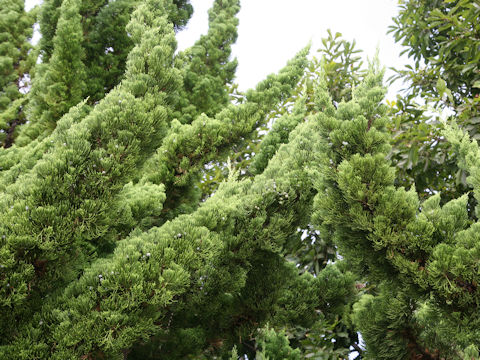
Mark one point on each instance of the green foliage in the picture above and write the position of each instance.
(66, 194)
(414, 251)
(16, 160)
(15, 63)
(421, 154)
(277, 136)
(274, 345)
(220, 255)
(60, 85)
(324, 342)
(441, 37)
(106, 44)
(84, 50)
(85, 272)
(188, 147)
(442, 34)
(206, 66)
(384, 322)
(342, 218)
(341, 66)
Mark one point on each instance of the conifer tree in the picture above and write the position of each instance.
(422, 261)
(15, 62)
(60, 211)
(96, 55)
(61, 85)
(108, 251)
(221, 249)
(104, 41)
(184, 152)
(206, 65)
(101, 148)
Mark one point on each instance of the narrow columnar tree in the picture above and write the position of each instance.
(61, 83)
(15, 63)
(55, 215)
(84, 48)
(207, 68)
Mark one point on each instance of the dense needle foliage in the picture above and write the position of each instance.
(117, 242)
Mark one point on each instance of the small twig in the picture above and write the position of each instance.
(357, 348)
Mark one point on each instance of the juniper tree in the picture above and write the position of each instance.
(56, 90)
(210, 262)
(206, 65)
(108, 251)
(15, 63)
(420, 255)
(72, 195)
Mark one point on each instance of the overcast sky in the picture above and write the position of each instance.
(272, 31)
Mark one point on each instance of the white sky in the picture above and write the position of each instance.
(272, 31)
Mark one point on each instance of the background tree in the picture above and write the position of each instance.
(59, 85)
(441, 38)
(15, 63)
